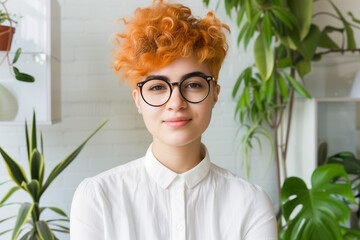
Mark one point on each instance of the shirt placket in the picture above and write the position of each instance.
(178, 211)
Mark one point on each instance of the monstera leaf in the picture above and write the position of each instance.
(315, 214)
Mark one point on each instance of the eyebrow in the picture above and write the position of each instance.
(163, 77)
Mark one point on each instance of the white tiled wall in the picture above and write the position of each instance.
(91, 93)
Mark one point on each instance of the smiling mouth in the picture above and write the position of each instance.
(177, 123)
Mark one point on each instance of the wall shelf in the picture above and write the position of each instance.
(38, 34)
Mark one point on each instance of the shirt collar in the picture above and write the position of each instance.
(164, 176)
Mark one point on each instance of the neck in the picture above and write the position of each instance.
(178, 159)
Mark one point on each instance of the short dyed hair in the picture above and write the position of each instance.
(159, 34)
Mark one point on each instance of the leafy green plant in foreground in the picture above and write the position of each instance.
(322, 211)
(28, 224)
(286, 39)
(352, 166)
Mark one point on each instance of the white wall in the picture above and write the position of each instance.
(91, 94)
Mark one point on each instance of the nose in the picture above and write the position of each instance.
(176, 101)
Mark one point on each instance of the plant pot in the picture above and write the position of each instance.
(8, 105)
(6, 35)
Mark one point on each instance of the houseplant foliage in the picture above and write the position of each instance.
(285, 42)
(321, 210)
(352, 166)
(28, 223)
(8, 31)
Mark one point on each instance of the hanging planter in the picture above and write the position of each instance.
(6, 35)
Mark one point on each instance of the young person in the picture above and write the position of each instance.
(172, 60)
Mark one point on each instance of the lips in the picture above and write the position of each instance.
(177, 122)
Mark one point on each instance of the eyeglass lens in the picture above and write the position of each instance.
(157, 92)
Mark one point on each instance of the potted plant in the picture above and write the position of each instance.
(318, 213)
(29, 223)
(6, 35)
(286, 41)
(6, 32)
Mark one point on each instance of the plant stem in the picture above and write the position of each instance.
(334, 16)
(338, 50)
(277, 163)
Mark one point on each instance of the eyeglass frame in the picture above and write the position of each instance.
(171, 85)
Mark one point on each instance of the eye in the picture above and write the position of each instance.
(194, 85)
(157, 88)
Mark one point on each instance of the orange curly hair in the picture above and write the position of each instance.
(159, 34)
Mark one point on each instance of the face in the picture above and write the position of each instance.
(178, 122)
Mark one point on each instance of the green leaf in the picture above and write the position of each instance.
(264, 59)
(23, 215)
(251, 29)
(27, 236)
(258, 101)
(243, 30)
(22, 76)
(15, 171)
(308, 46)
(285, 16)
(8, 194)
(263, 88)
(303, 12)
(66, 229)
(27, 141)
(295, 84)
(348, 161)
(4, 232)
(57, 210)
(33, 188)
(283, 87)
(349, 32)
(270, 89)
(37, 166)
(237, 84)
(320, 210)
(330, 29)
(17, 55)
(6, 219)
(240, 16)
(41, 143)
(246, 95)
(326, 42)
(63, 164)
(33, 137)
(266, 31)
(248, 8)
(228, 8)
(353, 18)
(44, 231)
(283, 63)
(303, 68)
(350, 234)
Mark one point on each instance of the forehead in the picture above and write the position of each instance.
(181, 66)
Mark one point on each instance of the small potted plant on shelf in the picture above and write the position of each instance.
(6, 32)
(6, 36)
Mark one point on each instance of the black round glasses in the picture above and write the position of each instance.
(156, 90)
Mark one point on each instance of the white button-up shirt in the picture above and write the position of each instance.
(145, 200)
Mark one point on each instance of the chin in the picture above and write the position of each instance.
(178, 141)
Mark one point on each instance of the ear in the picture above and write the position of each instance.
(136, 97)
(216, 93)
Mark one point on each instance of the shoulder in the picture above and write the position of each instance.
(111, 178)
(232, 180)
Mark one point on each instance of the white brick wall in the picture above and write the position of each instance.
(91, 94)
